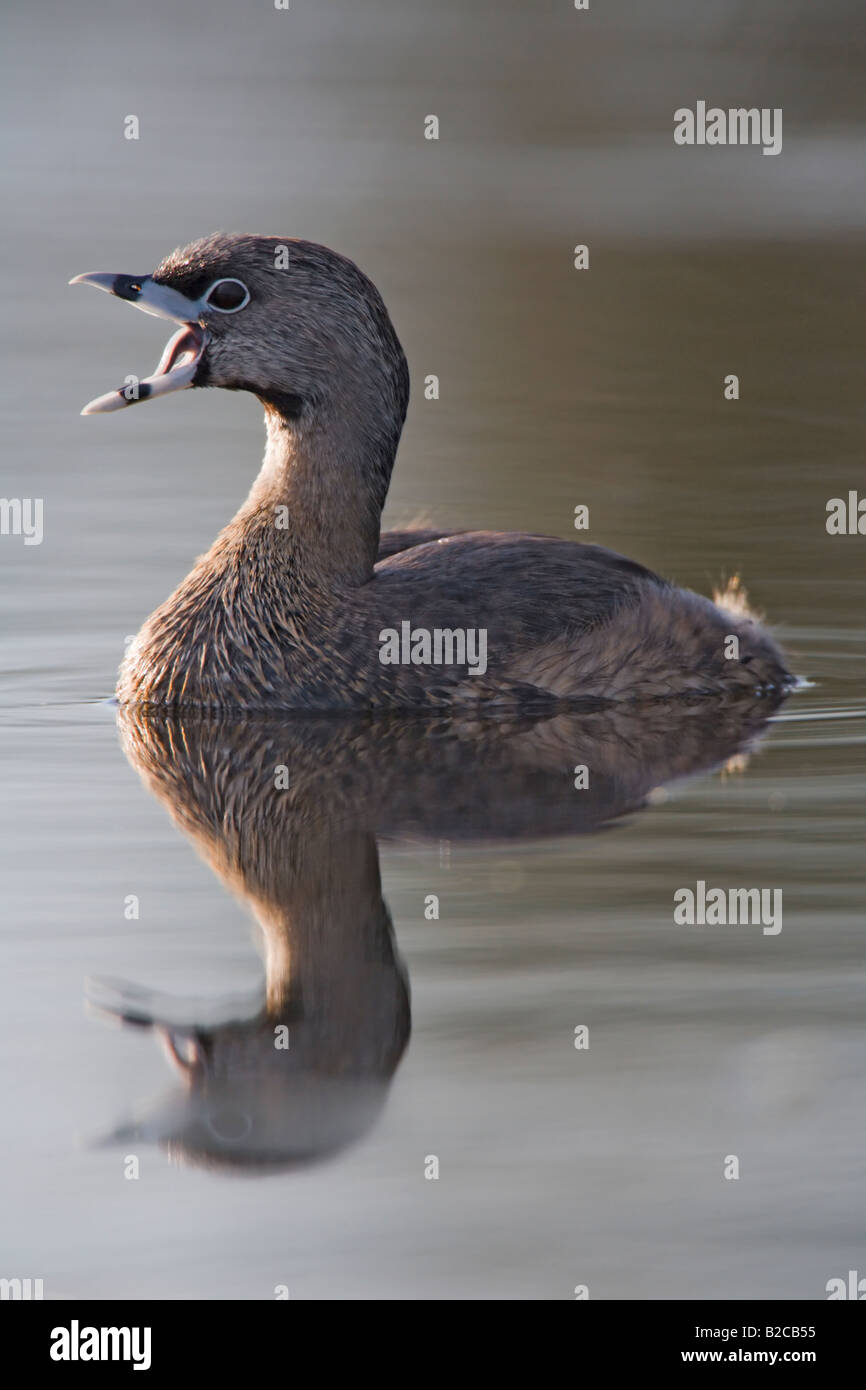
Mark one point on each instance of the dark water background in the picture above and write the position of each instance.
(557, 388)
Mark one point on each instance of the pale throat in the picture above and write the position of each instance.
(320, 492)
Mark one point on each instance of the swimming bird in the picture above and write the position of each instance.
(297, 603)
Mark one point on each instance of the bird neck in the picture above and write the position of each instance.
(325, 932)
(321, 490)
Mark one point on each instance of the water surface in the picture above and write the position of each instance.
(558, 1167)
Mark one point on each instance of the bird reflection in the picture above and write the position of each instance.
(288, 815)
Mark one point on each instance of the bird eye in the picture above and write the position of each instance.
(227, 296)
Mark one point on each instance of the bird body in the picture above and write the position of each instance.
(294, 604)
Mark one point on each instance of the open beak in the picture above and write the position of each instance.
(180, 361)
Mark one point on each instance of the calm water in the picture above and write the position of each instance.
(557, 1166)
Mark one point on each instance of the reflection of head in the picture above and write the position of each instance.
(266, 1129)
(305, 1075)
(301, 852)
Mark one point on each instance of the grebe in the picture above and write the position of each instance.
(293, 605)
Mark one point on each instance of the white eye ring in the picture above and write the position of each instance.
(217, 284)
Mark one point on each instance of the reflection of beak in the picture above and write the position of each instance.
(180, 361)
(134, 1007)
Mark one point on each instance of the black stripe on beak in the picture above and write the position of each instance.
(129, 286)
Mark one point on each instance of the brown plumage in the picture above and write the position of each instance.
(302, 855)
(288, 607)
